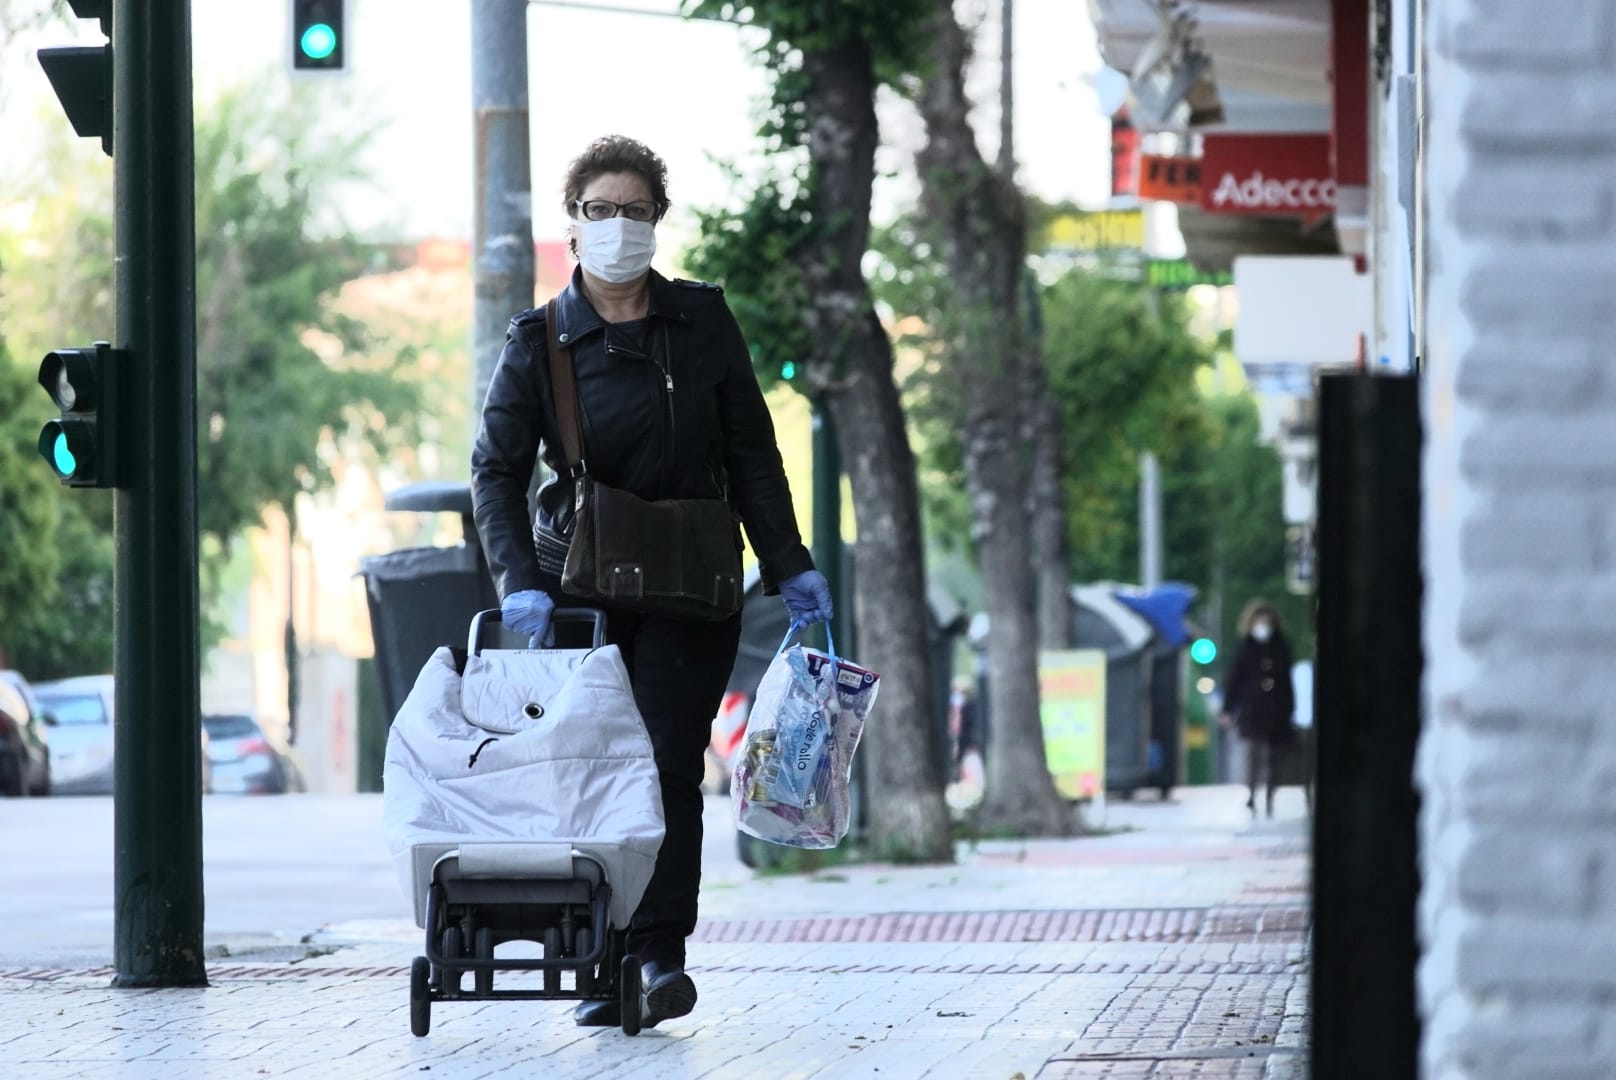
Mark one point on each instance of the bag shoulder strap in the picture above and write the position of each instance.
(564, 391)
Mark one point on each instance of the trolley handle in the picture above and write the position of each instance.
(593, 616)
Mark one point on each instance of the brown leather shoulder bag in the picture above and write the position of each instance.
(674, 557)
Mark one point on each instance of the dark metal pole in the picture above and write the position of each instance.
(503, 256)
(157, 830)
(1367, 716)
(827, 522)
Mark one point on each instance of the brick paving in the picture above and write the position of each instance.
(1104, 957)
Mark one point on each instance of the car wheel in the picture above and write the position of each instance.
(11, 777)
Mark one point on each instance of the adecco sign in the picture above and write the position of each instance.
(1267, 174)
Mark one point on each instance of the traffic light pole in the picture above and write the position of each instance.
(827, 523)
(157, 876)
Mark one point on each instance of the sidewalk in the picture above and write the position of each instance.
(1174, 948)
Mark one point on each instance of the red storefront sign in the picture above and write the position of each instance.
(1170, 179)
(1267, 174)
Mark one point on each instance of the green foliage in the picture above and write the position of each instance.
(907, 279)
(757, 251)
(282, 381)
(1122, 365)
(55, 550)
(891, 31)
(275, 372)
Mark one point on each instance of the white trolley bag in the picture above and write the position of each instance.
(521, 803)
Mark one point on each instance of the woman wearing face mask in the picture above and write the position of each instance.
(670, 409)
(1258, 698)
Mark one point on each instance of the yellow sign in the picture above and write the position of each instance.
(1102, 230)
(1071, 703)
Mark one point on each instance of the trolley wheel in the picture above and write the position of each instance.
(552, 951)
(420, 997)
(629, 986)
(453, 949)
(483, 949)
(586, 975)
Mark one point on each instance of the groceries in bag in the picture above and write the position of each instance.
(792, 776)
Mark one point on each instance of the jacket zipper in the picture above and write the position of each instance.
(667, 381)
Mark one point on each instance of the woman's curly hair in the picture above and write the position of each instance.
(1257, 609)
(615, 154)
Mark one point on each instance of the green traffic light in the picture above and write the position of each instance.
(318, 42)
(788, 370)
(1204, 651)
(62, 455)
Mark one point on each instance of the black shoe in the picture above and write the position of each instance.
(668, 992)
(598, 1014)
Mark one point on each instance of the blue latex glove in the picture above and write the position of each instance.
(807, 597)
(528, 612)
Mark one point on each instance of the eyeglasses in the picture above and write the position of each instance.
(602, 209)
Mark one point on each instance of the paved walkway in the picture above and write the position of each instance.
(1172, 948)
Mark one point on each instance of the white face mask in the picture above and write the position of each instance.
(1262, 631)
(617, 249)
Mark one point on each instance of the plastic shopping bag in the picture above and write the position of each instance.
(790, 784)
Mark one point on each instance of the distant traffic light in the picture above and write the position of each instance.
(81, 446)
(788, 370)
(1203, 650)
(319, 35)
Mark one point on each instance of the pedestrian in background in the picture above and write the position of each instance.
(1259, 699)
(965, 731)
(670, 409)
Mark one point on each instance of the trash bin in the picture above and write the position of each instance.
(422, 598)
(1100, 621)
(1165, 608)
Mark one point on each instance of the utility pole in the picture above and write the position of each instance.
(157, 821)
(827, 522)
(1150, 521)
(1007, 94)
(503, 254)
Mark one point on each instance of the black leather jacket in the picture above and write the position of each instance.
(683, 419)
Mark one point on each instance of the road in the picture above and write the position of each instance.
(275, 870)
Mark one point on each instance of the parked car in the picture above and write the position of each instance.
(25, 761)
(81, 737)
(248, 760)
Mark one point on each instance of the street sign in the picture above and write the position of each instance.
(1180, 274)
(1170, 179)
(1071, 704)
(1282, 175)
(1098, 230)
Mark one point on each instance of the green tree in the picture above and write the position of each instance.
(1122, 367)
(284, 382)
(987, 382)
(791, 262)
(1125, 369)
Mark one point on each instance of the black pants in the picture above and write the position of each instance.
(679, 671)
(1265, 759)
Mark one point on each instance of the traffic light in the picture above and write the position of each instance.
(81, 75)
(788, 370)
(319, 35)
(81, 446)
(1203, 650)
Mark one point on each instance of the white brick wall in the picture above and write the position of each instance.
(1517, 767)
